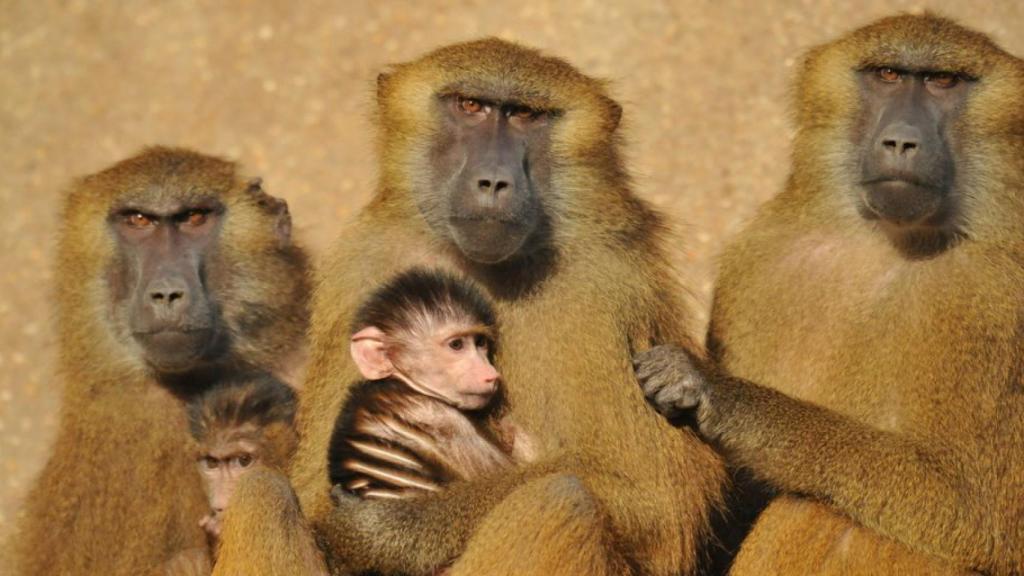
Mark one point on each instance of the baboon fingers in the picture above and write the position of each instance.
(390, 476)
(387, 454)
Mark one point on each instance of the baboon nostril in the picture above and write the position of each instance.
(483, 184)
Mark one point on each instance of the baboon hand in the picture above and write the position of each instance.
(211, 525)
(671, 379)
(368, 513)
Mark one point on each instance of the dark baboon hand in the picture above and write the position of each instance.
(211, 524)
(672, 380)
(359, 513)
(373, 514)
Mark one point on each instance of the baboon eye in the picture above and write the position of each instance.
(887, 74)
(521, 112)
(480, 341)
(942, 79)
(456, 344)
(138, 220)
(471, 106)
(209, 462)
(196, 217)
(244, 460)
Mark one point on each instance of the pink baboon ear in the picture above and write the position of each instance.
(370, 354)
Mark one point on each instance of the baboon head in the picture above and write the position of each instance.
(493, 141)
(172, 262)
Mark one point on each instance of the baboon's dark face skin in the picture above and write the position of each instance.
(492, 170)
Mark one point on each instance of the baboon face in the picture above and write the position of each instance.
(905, 124)
(491, 170)
(226, 458)
(189, 266)
(497, 146)
(908, 168)
(164, 248)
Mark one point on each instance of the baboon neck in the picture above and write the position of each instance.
(187, 385)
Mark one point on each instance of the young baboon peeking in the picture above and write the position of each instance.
(242, 425)
(503, 165)
(173, 270)
(872, 317)
(429, 411)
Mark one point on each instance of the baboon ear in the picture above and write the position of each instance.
(370, 354)
(382, 84)
(614, 113)
(276, 206)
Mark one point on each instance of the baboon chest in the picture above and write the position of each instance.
(853, 331)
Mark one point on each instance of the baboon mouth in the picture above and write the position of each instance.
(899, 182)
(176, 350)
(481, 219)
(186, 331)
(488, 240)
(901, 201)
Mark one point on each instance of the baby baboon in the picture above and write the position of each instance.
(429, 411)
(242, 426)
(239, 425)
(872, 317)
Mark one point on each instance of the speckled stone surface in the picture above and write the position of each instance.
(286, 88)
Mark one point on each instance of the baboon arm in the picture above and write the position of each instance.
(265, 531)
(415, 535)
(884, 480)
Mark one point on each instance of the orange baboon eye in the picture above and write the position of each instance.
(209, 462)
(456, 344)
(470, 106)
(942, 79)
(521, 112)
(138, 220)
(480, 341)
(889, 74)
(245, 460)
(196, 217)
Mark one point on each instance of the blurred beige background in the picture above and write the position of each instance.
(285, 87)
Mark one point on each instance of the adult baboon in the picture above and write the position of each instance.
(172, 270)
(876, 307)
(503, 165)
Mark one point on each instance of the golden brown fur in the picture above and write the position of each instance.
(616, 490)
(120, 493)
(292, 546)
(908, 433)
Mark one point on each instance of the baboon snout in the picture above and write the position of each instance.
(899, 144)
(168, 297)
(494, 184)
(173, 299)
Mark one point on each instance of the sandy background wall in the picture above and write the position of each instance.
(285, 88)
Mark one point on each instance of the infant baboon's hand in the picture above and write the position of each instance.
(211, 524)
(671, 379)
